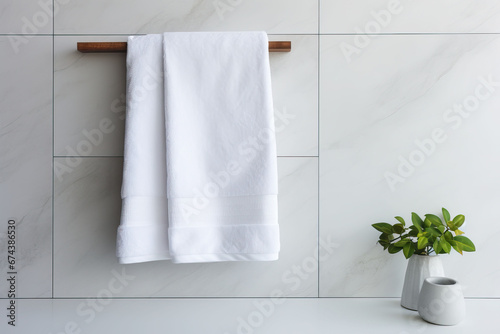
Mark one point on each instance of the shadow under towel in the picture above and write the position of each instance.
(218, 140)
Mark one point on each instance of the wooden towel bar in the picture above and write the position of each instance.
(87, 47)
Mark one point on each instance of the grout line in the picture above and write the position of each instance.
(53, 145)
(53, 18)
(319, 18)
(87, 156)
(297, 156)
(53, 151)
(121, 156)
(30, 35)
(214, 298)
(318, 151)
(397, 297)
(409, 33)
(276, 34)
(167, 297)
(142, 34)
(195, 297)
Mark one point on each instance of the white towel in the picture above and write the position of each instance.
(143, 232)
(221, 170)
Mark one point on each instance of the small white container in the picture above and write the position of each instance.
(441, 301)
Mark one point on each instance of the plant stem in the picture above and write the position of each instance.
(400, 237)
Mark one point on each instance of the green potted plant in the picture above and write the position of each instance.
(418, 241)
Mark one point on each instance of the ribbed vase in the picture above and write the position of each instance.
(419, 268)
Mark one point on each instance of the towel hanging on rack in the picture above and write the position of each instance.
(200, 175)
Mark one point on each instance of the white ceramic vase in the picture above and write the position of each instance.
(419, 268)
(441, 301)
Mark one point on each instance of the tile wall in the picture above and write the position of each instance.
(384, 107)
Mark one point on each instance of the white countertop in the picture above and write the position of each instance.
(239, 315)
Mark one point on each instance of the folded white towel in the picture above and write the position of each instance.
(220, 151)
(221, 147)
(143, 232)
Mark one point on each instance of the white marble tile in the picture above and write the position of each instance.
(87, 211)
(26, 17)
(89, 91)
(295, 93)
(155, 16)
(26, 164)
(379, 110)
(248, 315)
(393, 16)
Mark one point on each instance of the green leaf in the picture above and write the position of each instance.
(457, 247)
(465, 244)
(437, 246)
(383, 227)
(446, 215)
(435, 220)
(458, 221)
(398, 228)
(448, 236)
(433, 231)
(427, 222)
(431, 240)
(441, 228)
(417, 221)
(422, 242)
(413, 231)
(445, 245)
(393, 249)
(408, 250)
(451, 225)
(401, 220)
(384, 236)
(384, 243)
(401, 243)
